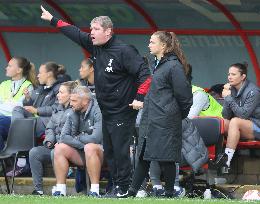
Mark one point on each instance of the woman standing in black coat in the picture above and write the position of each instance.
(166, 104)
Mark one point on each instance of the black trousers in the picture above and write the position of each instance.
(117, 135)
(142, 168)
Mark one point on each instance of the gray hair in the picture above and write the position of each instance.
(104, 21)
(82, 91)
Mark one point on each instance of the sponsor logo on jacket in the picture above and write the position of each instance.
(109, 67)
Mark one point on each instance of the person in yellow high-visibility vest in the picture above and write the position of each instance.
(204, 104)
(22, 77)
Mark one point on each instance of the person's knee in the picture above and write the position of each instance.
(226, 125)
(18, 109)
(33, 153)
(91, 149)
(60, 150)
(18, 112)
(234, 122)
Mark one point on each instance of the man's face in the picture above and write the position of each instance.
(98, 34)
(75, 102)
(78, 103)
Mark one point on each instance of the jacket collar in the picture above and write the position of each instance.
(61, 107)
(16, 85)
(109, 42)
(52, 86)
(167, 57)
(90, 105)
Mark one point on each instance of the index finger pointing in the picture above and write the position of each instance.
(43, 9)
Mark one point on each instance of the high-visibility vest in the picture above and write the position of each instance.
(6, 94)
(214, 109)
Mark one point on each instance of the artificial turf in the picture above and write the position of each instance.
(26, 199)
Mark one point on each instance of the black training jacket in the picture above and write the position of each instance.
(121, 75)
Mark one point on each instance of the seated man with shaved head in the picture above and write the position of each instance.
(81, 141)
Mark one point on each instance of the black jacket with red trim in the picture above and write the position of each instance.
(121, 75)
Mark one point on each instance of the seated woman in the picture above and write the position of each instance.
(63, 76)
(42, 154)
(241, 111)
(204, 104)
(39, 104)
(216, 92)
(86, 73)
(22, 76)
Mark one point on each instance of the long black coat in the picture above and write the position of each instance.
(166, 104)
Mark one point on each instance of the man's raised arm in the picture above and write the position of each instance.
(72, 32)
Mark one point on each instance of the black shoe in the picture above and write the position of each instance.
(110, 193)
(221, 160)
(131, 193)
(37, 193)
(117, 192)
